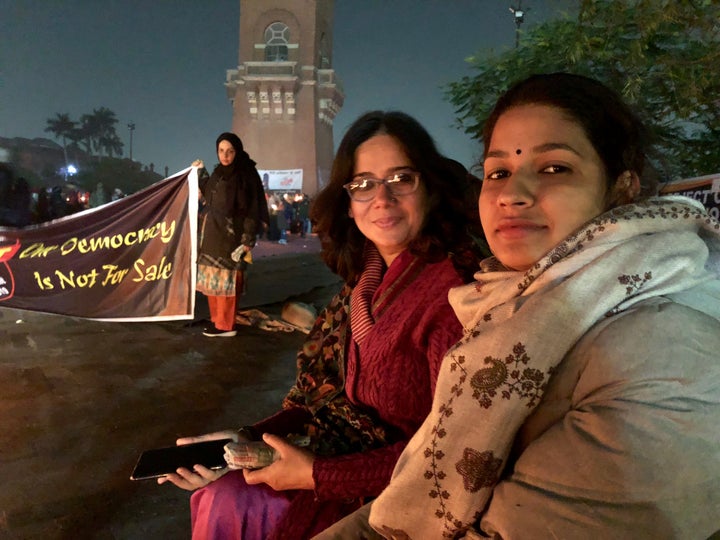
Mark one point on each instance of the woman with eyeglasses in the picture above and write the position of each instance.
(397, 223)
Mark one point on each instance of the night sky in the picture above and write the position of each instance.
(161, 65)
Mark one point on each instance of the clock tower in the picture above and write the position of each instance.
(284, 92)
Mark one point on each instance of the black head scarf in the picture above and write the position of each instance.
(241, 156)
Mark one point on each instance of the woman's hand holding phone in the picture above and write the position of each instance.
(200, 476)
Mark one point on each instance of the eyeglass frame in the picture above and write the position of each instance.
(385, 182)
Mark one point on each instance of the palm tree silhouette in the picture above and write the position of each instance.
(63, 128)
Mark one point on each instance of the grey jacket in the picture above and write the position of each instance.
(626, 438)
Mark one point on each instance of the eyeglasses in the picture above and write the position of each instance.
(366, 189)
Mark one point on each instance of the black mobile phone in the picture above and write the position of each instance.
(161, 461)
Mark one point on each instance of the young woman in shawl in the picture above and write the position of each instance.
(234, 210)
(584, 398)
(396, 223)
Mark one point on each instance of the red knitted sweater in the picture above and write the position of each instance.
(393, 374)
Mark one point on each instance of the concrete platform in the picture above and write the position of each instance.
(79, 401)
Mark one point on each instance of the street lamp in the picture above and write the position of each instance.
(131, 127)
(519, 15)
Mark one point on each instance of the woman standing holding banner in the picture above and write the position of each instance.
(234, 210)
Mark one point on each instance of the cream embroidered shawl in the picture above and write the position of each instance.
(519, 326)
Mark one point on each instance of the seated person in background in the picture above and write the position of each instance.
(395, 223)
(584, 399)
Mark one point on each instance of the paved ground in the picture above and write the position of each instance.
(79, 401)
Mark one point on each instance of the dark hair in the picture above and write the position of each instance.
(450, 220)
(617, 134)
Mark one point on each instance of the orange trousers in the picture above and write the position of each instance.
(222, 308)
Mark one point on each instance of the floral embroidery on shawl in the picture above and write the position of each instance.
(634, 282)
(480, 469)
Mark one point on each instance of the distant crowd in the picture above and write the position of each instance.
(288, 212)
(21, 205)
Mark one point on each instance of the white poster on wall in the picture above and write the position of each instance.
(286, 180)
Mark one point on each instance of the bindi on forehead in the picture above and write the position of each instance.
(518, 151)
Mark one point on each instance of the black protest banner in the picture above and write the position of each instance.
(130, 260)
